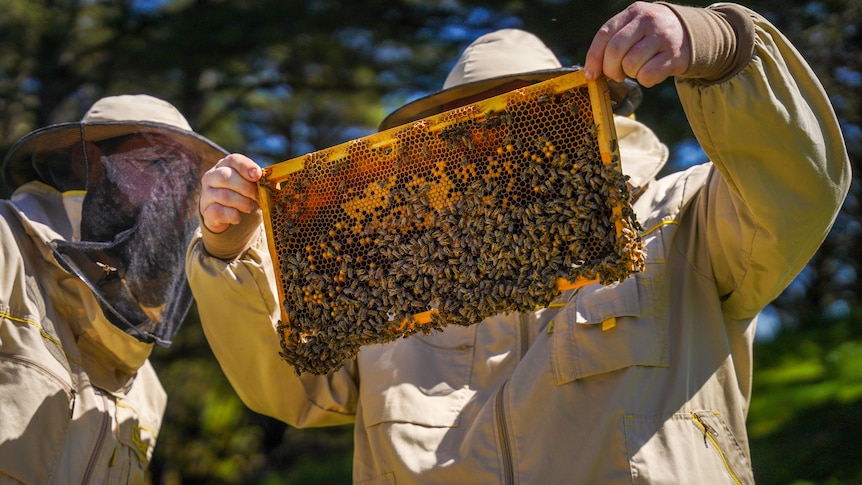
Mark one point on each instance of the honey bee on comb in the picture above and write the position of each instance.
(491, 208)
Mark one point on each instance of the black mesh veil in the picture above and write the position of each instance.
(138, 216)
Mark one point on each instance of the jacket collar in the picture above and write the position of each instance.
(110, 356)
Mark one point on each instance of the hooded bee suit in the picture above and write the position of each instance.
(644, 381)
(90, 278)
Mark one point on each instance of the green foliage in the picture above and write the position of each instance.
(278, 78)
(804, 418)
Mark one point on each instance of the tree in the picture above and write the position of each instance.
(279, 78)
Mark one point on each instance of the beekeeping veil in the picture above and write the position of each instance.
(139, 163)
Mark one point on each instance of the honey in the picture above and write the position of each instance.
(494, 207)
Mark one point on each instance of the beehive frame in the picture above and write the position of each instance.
(494, 207)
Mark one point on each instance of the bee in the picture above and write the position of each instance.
(106, 268)
(399, 161)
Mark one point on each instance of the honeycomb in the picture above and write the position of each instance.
(491, 208)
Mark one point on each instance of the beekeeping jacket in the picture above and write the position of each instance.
(79, 401)
(643, 381)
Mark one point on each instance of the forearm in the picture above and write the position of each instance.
(235, 240)
(772, 134)
(721, 39)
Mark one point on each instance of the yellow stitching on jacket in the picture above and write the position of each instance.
(43, 334)
(709, 433)
(658, 226)
(122, 404)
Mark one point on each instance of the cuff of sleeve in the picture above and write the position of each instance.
(721, 38)
(235, 240)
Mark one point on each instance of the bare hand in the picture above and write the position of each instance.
(228, 190)
(646, 42)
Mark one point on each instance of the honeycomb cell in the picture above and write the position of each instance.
(490, 208)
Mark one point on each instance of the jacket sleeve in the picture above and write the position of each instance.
(237, 303)
(772, 134)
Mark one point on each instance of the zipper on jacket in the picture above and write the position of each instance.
(71, 390)
(524, 330)
(709, 436)
(505, 443)
(100, 439)
(53, 375)
(72, 404)
(500, 406)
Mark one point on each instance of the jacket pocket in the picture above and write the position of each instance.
(424, 379)
(134, 448)
(35, 410)
(690, 447)
(608, 328)
(138, 418)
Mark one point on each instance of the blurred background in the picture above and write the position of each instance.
(279, 78)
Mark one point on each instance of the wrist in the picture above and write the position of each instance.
(232, 240)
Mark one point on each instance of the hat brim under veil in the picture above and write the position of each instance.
(23, 160)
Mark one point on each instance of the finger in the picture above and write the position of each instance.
(228, 190)
(655, 69)
(655, 58)
(594, 65)
(220, 207)
(644, 36)
(623, 56)
(236, 173)
(646, 60)
(217, 217)
(219, 179)
(228, 198)
(652, 46)
(243, 165)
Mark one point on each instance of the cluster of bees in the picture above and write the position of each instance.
(456, 218)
